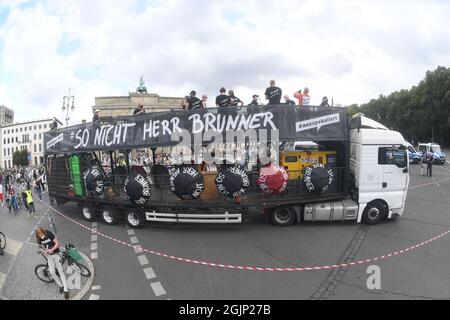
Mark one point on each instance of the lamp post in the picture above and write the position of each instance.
(66, 108)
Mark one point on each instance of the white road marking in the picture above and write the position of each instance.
(143, 260)
(2, 279)
(158, 289)
(138, 249)
(95, 288)
(94, 237)
(131, 232)
(94, 246)
(149, 273)
(94, 297)
(94, 224)
(94, 230)
(134, 240)
(94, 255)
(12, 246)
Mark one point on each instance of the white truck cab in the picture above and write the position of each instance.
(379, 167)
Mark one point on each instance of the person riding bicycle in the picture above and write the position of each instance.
(48, 241)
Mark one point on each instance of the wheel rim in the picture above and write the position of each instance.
(108, 217)
(282, 216)
(373, 214)
(87, 213)
(133, 219)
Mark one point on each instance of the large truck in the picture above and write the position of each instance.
(99, 167)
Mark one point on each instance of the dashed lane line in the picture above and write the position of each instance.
(158, 289)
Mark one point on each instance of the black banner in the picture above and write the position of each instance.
(164, 129)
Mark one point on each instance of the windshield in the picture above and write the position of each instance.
(436, 148)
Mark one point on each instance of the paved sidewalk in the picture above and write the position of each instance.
(21, 283)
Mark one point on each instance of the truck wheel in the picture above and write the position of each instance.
(374, 213)
(283, 216)
(109, 216)
(135, 219)
(88, 212)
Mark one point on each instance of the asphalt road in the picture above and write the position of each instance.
(124, 272)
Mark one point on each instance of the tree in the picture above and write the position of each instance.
(20, 158)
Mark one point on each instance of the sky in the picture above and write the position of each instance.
(351, 51)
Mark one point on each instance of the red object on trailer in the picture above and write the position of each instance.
(273, 179)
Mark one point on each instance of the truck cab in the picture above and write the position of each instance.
(379, 168)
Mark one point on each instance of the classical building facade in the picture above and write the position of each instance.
(124, 106)
(21, 136)
(6, 116)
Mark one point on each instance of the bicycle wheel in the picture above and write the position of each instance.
(2, 240)
(80, 268)
(43, 273)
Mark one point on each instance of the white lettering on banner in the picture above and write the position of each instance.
(125, 132)
(55, 141)
(83, 138)
(155, 128)
(317, 122)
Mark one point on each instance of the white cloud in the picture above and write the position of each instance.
(350, 50)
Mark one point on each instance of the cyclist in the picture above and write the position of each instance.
(50, 244)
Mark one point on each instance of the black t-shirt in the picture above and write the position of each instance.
(254, 103)
(194, 103)
(290, 103)
(234, 101)
(274, 94)
(223, 101)
(49, 241)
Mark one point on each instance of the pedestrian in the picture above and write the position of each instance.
(274, 94)
(13, 199)
(50, 246)
(234, 101)
(29, 201)
(1, 194)
(223, 100)
(288, 101)
(430, 160)
(139, 110)
(193, 102)
(185, 104)
(423, 162)
(325, 102)
(38, 189)
(255, 101)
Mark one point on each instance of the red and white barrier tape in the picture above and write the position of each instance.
(250, 268)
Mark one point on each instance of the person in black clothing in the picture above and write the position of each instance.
(234, 101)
(288, 101)
(96, 116)
(325, 102)
(223, 100)
(274, 94)
(430, 160)
(139, 111)
(254, 101)
(193, 102)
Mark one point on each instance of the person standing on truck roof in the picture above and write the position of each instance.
(298, 95)
(96, 116)
(193, 102)
(325, 102)
(140, 110)
(223, 100)
(255, 101)
(288, 101)
(274, 94)
(234, 101)
(306, 97)
(204, 101)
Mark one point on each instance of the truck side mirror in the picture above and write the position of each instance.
(405, 170)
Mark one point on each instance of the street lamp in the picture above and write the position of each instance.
(68, 99)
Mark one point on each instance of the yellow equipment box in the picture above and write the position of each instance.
(295, 162)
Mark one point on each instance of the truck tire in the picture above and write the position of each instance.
(88, 212)
(109, 216)
(135, 219)
(374, 213)
(283, 216)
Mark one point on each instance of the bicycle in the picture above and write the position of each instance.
(69, 254)
(2, 242)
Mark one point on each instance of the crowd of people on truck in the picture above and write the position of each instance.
(16, 188)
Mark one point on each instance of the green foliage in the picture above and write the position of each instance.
(420, 114)
(20, 158)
